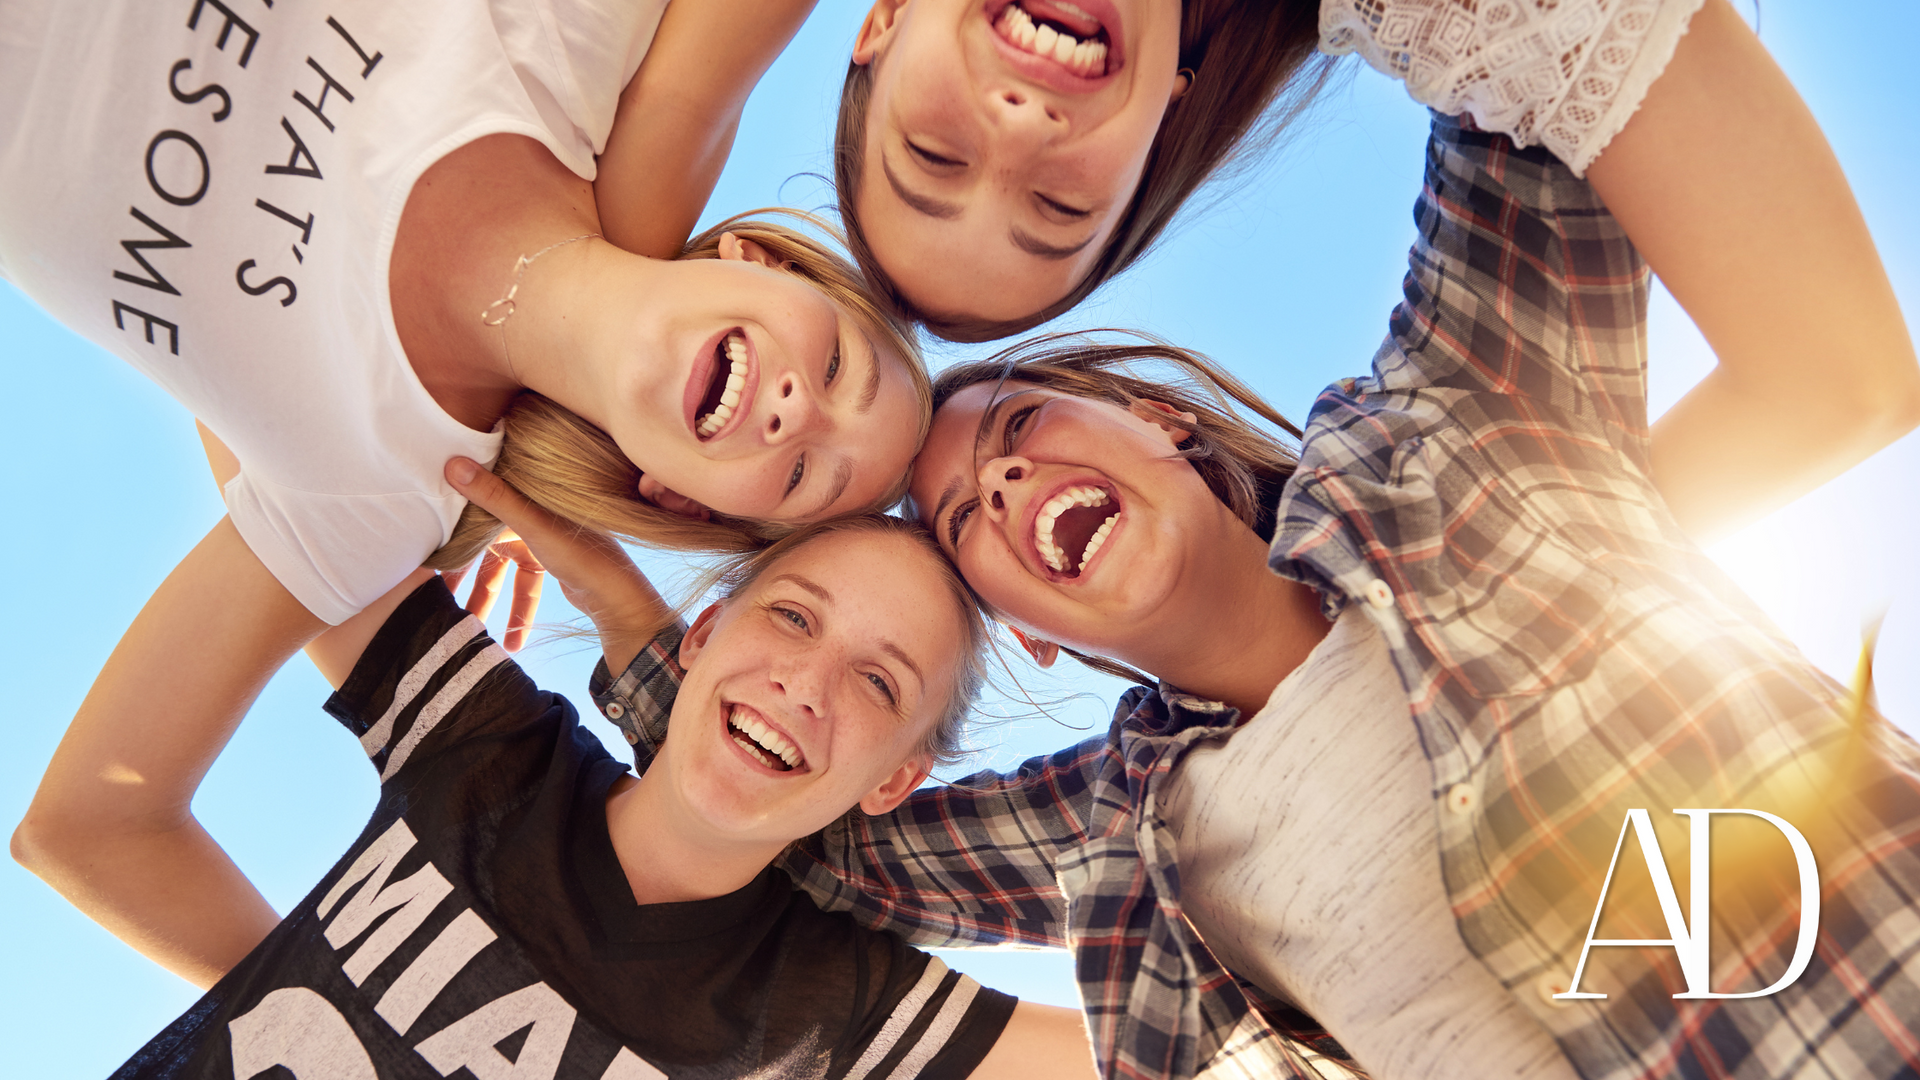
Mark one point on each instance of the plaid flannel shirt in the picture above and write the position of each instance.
(1567, 653)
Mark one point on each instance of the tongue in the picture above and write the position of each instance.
(1083, 27)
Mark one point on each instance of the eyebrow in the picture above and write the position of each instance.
(1033, 245)
(887, 647)
(931, 207)
(842, 476)
(864, 403)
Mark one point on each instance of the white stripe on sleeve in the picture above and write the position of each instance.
(443, 702)
(902, 1018)
(934, 1039)
(423, 669)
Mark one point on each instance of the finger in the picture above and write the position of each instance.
(527, 581)
(512, 547)
(498, 498)
(486, 584)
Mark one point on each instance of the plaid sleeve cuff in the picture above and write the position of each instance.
(640, 701)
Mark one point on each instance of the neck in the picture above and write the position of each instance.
(468, 220)
(1238, 632)
(670, 858)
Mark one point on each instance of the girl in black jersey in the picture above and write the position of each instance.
(519, 901)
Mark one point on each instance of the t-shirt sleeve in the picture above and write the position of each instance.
(338, 553)
(1564, 74)
(431, 676)
(937, 1026)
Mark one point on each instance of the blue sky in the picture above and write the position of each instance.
(1288, 281)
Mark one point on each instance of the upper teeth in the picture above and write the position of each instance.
(1082, 57)
(730, 397)
(770, 740)
(1050, 513)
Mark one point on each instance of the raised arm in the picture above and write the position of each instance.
(1726, 185)
(678, 116)
(111, 826)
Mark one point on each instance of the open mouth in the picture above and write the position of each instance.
(722, 398)
(1057, 30)
(763, 743)
(1073, 526)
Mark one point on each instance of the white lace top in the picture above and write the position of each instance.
(1566, 74)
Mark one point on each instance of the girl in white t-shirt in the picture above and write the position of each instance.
(358, 242)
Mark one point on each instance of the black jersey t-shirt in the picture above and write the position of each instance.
(481, 925)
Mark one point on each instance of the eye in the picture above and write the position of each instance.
(880, 684)
(932, 158)
(958, 518)
(1061, 209)
(1017, 422)
(793, 478)
(833, 364)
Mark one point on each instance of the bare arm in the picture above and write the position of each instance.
(1039, 1041)
(678, 116)
(1727, 186)
(111, 826)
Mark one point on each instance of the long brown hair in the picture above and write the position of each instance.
(1255, 70)
(1244, 464)
(576, 471)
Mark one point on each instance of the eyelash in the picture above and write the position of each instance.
(1062, 208)
(799, 471)
(930, 157)
(1016, 420)
(799, 622)
(833, 365)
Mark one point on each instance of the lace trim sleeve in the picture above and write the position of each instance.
(1566, 74)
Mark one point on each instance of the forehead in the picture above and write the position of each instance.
(877, 588)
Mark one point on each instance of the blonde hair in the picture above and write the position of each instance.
(575, 471)
(943, 740)
(1244, 464)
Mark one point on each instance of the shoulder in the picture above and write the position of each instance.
(429, 665)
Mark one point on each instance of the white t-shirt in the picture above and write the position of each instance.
(1308, 865)
(210, 190)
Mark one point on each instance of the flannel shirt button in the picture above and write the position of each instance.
(1550, 984)
(615, 710)
(633, 737)
(1461, 798)
(1379, 594)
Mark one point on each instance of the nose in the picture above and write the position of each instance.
(801, 679)
(794, 412)
(1024, 117)
(1000, 479)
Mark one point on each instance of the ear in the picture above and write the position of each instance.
(737, 249)
(898, 785)
(1165, 417)
(696, 640)
(876, 30)
(1044, 652)
(670, 500)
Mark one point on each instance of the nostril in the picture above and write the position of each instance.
(1053, 116)
(1014, 472)
(998, 503)
(1013, 98)
(773, 426)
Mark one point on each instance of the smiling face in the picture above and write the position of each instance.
(810, 691)
(775, 403)
(1004, 140)
(1070, 516)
